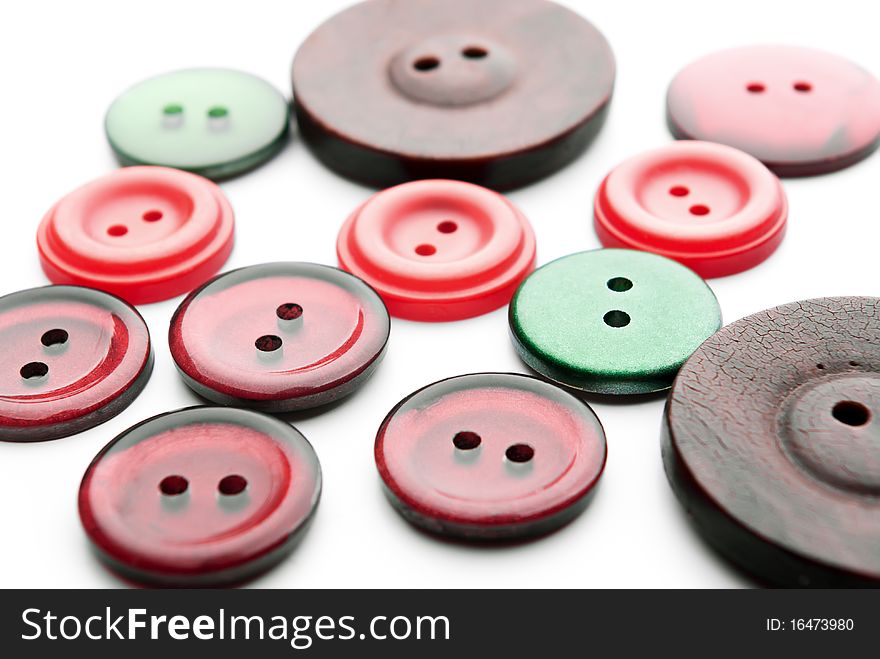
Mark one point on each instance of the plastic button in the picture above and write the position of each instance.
(713, 208)
(491, 92)
(800, 111)
(142, 233)
(771, 436)
(612, 321)
(438, 250)
(214, 122)
(490, 456)
(279, 336)
(202, 496)
(72, 358)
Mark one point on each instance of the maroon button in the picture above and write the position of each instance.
(713, 208)
(72, 358)
(490, 456)
(798, 110)
(495, 92)
(201, 496)
(279, 336)
(771, 441)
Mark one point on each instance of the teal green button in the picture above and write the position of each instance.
(612, 321)
(213, 122)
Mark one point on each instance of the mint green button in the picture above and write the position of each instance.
(612, 321)
(213, 122)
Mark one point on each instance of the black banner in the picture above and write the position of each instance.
(515, 623)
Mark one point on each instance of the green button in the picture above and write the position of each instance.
(213, 122)
(612, 321)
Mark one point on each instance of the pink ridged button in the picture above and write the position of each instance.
(711, 207)
(142, 233)
(438, 250)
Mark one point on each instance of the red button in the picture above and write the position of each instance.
(201, 496)
(438, 250)
(490, 455)
(279, 336)
(143, 233)
(713, 208)
(72, 358)
(800, 111)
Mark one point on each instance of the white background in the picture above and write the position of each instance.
(64, 62)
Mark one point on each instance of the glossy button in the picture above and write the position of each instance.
(713, 208)
(72, 358)
(438, 250)
(202, 496)
(214, 122)
(612, 321)
(798, 110)
(772, 442)
(490, 456)
(142, 233)
(279, 336)
(496, 92)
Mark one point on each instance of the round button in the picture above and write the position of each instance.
(203, 496)
(800, 111)
(771, 441)
(279, 336)
(438, 250)
(487, 92)
(490, 456)
(612, 321)
(214, 122)
(715, 209)
(142, 233)
(72, 358)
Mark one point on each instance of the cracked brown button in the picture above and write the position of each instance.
(494, 92)
(772, 442)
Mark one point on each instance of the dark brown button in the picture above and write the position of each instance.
(495, 92)
(772, 442)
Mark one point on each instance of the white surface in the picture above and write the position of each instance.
(64, 62)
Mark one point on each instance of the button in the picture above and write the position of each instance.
(771, 442)
(142, 233)
(438, 250)
(203, 496)
(279, 336)
(72, 359)
(612, 321)
(798, 110)
(214, 122)
(490, 456)
(491, 92)
(713, 208)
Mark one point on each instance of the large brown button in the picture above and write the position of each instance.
(497, 92)
(772, 442)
